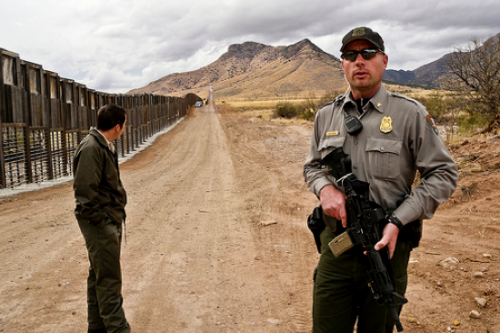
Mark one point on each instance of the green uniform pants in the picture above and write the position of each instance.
(104, 283)
(342, 295)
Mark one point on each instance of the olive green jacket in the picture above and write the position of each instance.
(99, 192)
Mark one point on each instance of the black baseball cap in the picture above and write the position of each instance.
(363, 33)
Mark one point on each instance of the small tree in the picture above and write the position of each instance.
(445, 107)
(475, 76)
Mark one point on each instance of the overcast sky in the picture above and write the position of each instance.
(118, 45)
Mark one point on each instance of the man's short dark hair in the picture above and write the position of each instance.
(109, 116)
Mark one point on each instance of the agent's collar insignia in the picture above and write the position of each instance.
(386, 125)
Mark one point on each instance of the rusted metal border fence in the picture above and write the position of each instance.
(43, 117)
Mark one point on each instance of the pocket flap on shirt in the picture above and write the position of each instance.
(331, 142)
(384, 146)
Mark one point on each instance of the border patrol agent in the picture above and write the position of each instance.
(395, 139)
(100, 211)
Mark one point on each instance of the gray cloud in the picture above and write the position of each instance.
(124, 44)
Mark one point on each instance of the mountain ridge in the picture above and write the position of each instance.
(257, 69)
(253, 70)
(428, 75)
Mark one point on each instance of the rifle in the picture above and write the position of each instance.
(365, 219)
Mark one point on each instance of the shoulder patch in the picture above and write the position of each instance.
(431, 122)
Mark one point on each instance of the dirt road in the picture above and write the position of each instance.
(196, 258)
(217, 241)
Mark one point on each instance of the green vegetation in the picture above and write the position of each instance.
(471, 123)
(474, 75)
(288, 110)
(457, 115)
(304, 109)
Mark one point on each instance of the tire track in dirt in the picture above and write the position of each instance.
(272, 157)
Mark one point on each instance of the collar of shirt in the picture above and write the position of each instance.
(110, 144)
(378, 101)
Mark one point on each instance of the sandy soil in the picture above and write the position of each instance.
(217, 239)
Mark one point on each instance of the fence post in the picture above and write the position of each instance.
(3, 108)
(171, 110)
(26, 122)
(3, 181)
(64, 139)
(122, 103)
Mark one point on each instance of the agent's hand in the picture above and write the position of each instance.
(389, 238)
(333, 203)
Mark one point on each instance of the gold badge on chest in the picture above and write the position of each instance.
(386, 125)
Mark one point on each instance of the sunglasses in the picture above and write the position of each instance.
(367, 54)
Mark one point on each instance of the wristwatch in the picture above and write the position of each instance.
(394, 220)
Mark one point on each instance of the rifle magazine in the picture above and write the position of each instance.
(340, 244)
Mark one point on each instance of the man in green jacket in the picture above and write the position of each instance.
(100, 211)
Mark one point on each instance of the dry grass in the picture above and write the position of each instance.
(411, 92)
(262, 108)
(259, 111)
(458, 138)
(261, 103)
(270, 102)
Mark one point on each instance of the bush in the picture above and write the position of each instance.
(328, 97)
(305, 109)
(308, 113)
(437, 105)
(286, 110)
(471, 123)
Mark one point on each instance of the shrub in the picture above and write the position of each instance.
(286, 110)
(305, 109)
(471, 123)
(437, 105)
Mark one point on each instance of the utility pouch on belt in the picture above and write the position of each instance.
(316, 224)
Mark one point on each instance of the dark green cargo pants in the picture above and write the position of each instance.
(104, 283)
(342, 295)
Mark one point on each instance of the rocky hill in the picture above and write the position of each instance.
(251, 70)
(426, 75)
(257, 70)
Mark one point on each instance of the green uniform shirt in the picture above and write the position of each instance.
(99, 191)
(398, 138)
